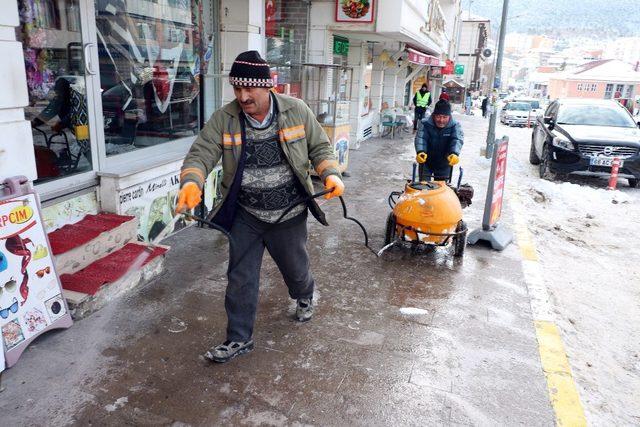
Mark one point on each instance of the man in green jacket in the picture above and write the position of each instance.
(421, 100)
(266, 142)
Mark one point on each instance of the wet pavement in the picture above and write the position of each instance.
(411, 338)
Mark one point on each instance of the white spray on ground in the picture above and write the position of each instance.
(413, 311)
(381, 251)
(148, 250)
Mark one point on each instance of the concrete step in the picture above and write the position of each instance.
(103, 280)
(75, 246)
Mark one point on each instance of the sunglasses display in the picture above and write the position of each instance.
(44, 271)
(9, 286)
(40, 252)
(31, 300)
(13, 308)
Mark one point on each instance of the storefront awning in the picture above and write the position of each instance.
(422, 58)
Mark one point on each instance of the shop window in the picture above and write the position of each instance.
(46, 14)
(608, 91)
(286, 38)
(149, 71)
(52, 44)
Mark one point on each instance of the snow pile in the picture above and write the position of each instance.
(574, 195)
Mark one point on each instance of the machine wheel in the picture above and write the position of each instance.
(545, 173)
(390, 232)
(533, 157)
(460, 240)
(633, 182)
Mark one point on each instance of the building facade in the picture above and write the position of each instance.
(474, 52)
(603, 79)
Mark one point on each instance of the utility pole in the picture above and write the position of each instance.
(497, 79)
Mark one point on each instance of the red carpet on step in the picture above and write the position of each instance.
(106, 270)
(91, 226)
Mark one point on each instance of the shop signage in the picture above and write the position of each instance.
(493, 231)
(355, 10)
(493, 209)
(342, 148)
(340, 46)
(153, 203)
(436, 18)
(420, 58)
(458, 69)
(435, 72)
(31, 300)
(448, 68)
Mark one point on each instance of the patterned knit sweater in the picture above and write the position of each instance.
(268, 183)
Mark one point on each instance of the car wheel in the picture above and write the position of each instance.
(633, 182)
(545, 172)
(533, 156)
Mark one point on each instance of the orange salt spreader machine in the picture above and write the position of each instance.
(429, 213)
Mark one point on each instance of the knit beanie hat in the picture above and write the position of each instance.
(249, 69)
(442, 107)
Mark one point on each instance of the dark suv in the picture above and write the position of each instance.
(584, 136)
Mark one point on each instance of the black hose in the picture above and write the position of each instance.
(286, 211)
(391, 200)
(209, 223)
(345, 214)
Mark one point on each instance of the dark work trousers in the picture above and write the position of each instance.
(419, 114)
(287, 245)
(437, 174)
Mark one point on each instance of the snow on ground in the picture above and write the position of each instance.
(587, 241)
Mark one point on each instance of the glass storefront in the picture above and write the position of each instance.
(50, 32)
(146, 81)
(286, 38)
(149, 71)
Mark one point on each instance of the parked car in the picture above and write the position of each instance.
(584, 136)
(516, 114)
(536, 108)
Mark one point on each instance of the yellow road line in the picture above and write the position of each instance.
(562, 390)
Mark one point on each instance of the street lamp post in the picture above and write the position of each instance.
(497, 80)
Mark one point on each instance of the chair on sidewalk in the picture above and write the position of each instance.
(389, 126)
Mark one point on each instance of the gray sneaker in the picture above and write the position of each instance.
(228, 350)
(304, 309)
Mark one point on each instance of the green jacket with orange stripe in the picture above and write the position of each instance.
(303, 141)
